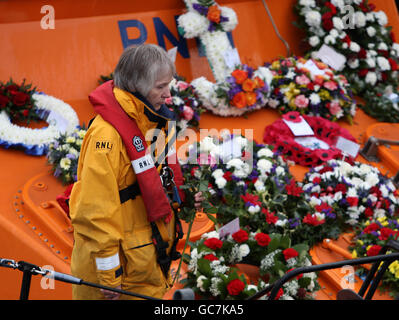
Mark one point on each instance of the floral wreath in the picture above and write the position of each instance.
(348, 193)
(301, 151)
(238, 88)
(370, 237)
(310, 87)
(212, 265)
(61, 117)
(354, 29)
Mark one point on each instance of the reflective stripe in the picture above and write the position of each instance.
(142, 164)
(104, 264)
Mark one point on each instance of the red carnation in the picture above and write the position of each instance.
(371, 227)
(385, 233)
(240, 236)
(210, 257)
(262, 239)
(213, 243)
(235, 287)
(340, 187)
(312, 220)
(353, 201)
(374, 250)
(227, 175)
(290, 253)
(368, 212)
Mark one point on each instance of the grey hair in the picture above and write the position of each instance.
(139, 67)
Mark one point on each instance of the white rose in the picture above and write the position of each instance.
(371, 78)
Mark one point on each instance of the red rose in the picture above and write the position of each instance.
(240, 236)
(20, 98)
(290, 253)
(262, 239)
(213, 243)
(374, 250)
(3, 101)
(235, 287)
(363, 72)
(12, 88)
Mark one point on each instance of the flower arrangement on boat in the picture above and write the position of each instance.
(310, 87)
(306, 151)
(20, 102)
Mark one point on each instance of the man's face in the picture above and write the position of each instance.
(160, 91)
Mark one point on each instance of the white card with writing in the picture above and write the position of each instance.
(347, 147)
(299, 128)
(58, 121)
(313, 68)
(231, 58)
(331, 57)
(312, 143)
(229, 228)
(172, 54)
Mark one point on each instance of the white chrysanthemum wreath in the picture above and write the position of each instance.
(229, 96)
(60, 116)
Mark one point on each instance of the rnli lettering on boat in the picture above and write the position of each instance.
(162, 32)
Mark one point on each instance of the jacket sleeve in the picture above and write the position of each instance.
(96, 209)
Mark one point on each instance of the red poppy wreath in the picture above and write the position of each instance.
(309, 151)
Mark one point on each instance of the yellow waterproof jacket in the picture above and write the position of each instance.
(113, 241)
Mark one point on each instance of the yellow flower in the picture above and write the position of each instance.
(292, 92)
(276, 65)
(354, 254)
(324, 95)
(70, 139)
(394, 268)
(360, 242)
(65, 163)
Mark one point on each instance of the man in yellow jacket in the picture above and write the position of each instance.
(113, 233)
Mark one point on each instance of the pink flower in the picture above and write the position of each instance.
(188, 113)
(206, 159)
(182, 85)
(301, 101)
(169, 100)
(302, 80)
(334, 108)
(330, 85)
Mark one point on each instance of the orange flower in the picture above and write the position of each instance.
(239, 100)
(214, 14)
(240, 75)
(259, 82)
(248, 85)
(250, 97)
